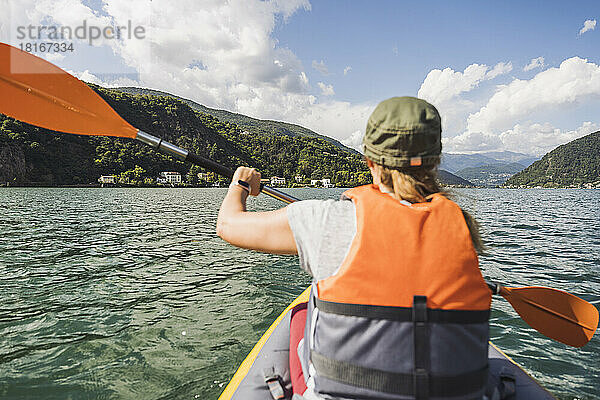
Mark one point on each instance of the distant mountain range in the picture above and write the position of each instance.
(490, 175)
(35, 156)
(486, 169)
(455, 162)
(575, 164)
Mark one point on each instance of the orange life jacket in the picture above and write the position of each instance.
(400, 251)
(406, 315)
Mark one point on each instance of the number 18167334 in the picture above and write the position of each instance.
(46, 47)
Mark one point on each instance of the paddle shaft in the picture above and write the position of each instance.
(184, 155)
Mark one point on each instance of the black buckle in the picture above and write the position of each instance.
(274, 383)
(508, 384)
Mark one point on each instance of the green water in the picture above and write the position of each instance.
(129, 294)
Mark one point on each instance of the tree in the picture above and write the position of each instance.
(133, 176)
(192, 175)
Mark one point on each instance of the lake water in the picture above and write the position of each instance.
(129, 294)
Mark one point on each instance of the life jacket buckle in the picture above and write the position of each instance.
(507, 386)
(275, 384)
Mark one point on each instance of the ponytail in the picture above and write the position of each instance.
(418, 185)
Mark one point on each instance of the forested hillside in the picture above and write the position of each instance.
(575, 164)
(31, 155)
(36, 156)
(252, 125)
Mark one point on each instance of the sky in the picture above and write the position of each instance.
(516, 76)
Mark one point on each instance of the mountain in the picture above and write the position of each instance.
(490, 175)
(252, 125)
(575, 164)
(35, 156)
(511, 157)
(31, 155)
(448, 179)
(455, 162)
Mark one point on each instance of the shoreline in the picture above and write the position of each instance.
(122, 186)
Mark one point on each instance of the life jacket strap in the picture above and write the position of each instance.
(421, 348)
(397, 383)
(402, 314)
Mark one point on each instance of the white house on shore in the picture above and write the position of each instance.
(204, 176)
(325, 182)
(169, 177)
(107, 179)
(275, 180)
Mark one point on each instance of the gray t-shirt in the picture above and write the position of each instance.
(323, 231)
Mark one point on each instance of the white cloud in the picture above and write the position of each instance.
(534, 63)
(443, 89)
(499, 69)
(440, 86)
(221, 54)
(506, 118)
(588, 25)
(573, 81)
(354, 140)
(541, 138)
(86, 76)
(472, 142)
(347, 70)
(531, 138)
(321, 67)
(89, 77)
(338, 119)
(54, 57)
(326, 90)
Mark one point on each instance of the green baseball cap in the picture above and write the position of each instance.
(404, 132)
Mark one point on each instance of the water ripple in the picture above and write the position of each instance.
(128, 293)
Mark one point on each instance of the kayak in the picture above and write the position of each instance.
(271, 353)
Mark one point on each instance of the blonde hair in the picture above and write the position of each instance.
(418, 185)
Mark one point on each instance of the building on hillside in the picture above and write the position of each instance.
(107, 179)
(169, 177)
(204, 176)
(275, 181)
(299, 178)
(325, 182)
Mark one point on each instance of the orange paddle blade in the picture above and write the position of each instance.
(39, 93)
(554, 313)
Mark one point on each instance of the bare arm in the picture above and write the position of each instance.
(268, 231)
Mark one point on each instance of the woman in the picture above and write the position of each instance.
(399, 309)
